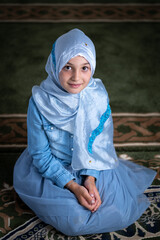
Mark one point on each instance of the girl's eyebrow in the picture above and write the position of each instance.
(81, 64)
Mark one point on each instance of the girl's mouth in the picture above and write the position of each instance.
(74, 85)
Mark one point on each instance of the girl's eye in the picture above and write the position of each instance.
(67, 67)
(85, 68)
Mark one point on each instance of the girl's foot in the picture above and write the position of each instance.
(158, 174)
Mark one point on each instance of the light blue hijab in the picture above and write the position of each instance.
(86, 114)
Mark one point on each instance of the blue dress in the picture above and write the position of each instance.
(44, 168)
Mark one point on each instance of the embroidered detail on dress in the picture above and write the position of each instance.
(99, 129)
(53, 55)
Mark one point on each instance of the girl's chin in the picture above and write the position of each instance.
(74, 91)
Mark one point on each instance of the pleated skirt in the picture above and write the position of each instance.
(121, 191)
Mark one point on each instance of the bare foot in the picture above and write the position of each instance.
(158, 174)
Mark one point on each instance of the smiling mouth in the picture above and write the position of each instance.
(74, 85)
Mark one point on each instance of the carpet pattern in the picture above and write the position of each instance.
(129, 130)
(79, 12)
(17, 221)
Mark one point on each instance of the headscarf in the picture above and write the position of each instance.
(86, 114)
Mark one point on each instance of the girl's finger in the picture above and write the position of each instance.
(93, 198)
(96, 207)
(87, 205)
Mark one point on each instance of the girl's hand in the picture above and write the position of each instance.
(82, 194)
(93, 192)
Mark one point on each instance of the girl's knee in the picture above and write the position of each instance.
(70, 226)
(76, 225)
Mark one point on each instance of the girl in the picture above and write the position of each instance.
(70, 175)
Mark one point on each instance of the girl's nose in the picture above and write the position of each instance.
(76, 75)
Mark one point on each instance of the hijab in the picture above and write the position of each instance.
(86, 114)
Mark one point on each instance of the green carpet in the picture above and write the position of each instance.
(127, 61)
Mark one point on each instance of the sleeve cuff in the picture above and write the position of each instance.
(63, 179)
(90, 172)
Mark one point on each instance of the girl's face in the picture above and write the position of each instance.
(75, 75)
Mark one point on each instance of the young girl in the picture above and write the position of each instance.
(70, 175)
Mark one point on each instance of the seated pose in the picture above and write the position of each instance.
(69, 174)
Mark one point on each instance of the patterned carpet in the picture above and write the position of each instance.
(129, 130)
(137, 133)
(18, 222)
(79, 12)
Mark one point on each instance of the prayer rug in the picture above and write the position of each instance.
(147, 227)
(17, 221)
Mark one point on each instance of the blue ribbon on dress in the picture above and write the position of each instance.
(99, 129)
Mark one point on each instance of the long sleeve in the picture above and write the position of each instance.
(38, 146)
